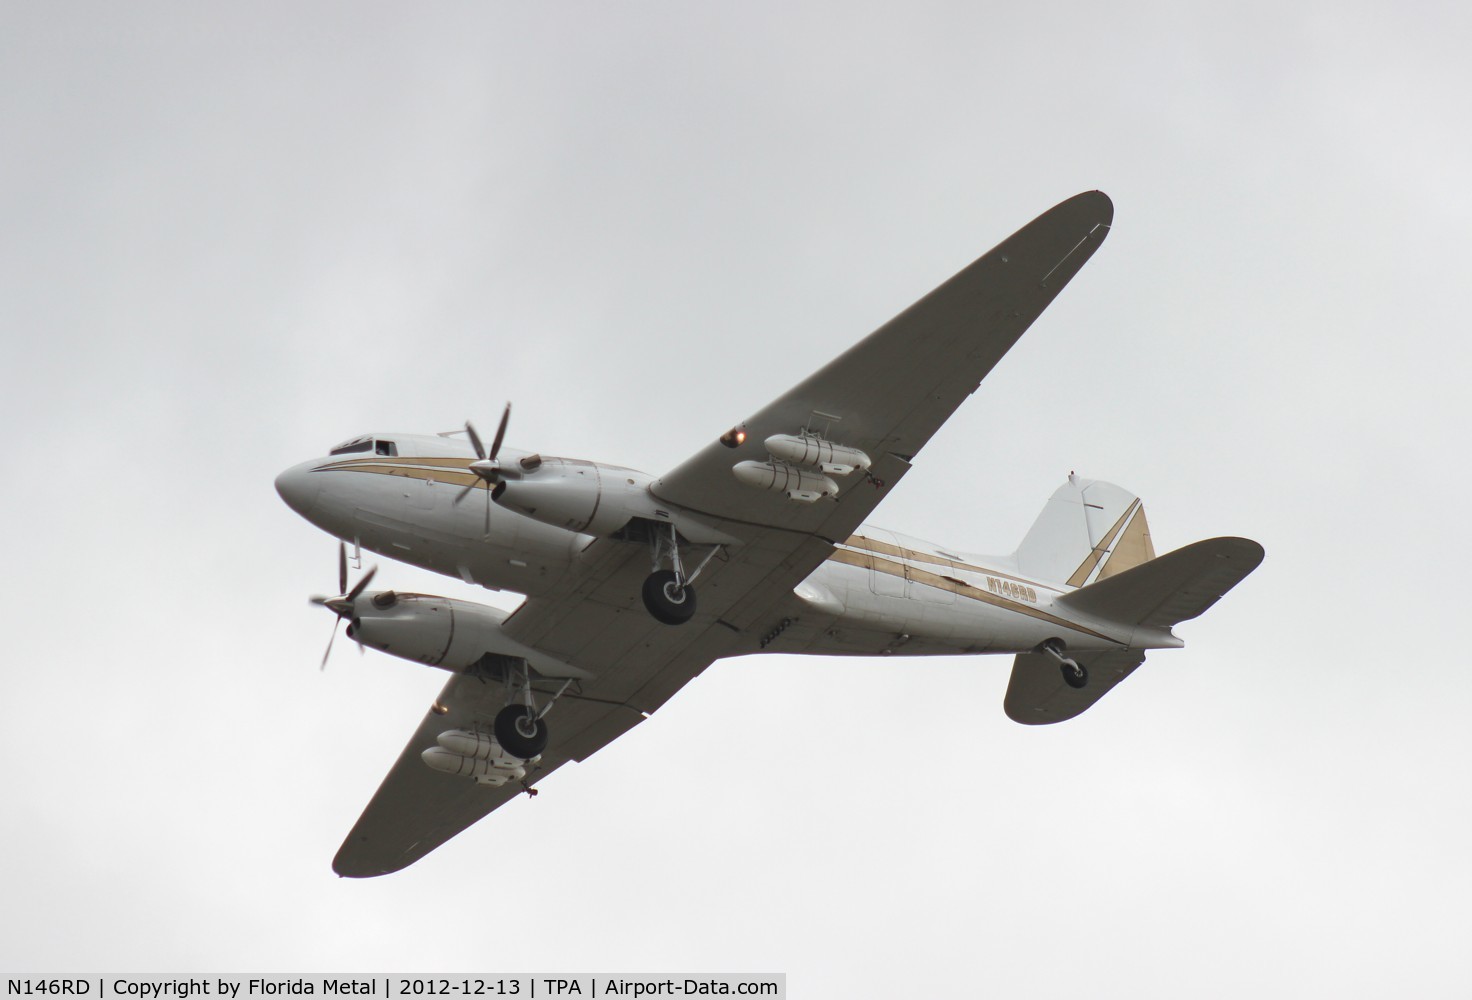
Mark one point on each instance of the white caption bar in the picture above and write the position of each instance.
(461, 985)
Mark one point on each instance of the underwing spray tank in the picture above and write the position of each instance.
(802, 485)
(801, 466)
(811, 450)
(473, 755)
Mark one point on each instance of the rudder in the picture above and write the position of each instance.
(1089, 530)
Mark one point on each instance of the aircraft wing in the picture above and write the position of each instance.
(417, 809)
(601, 625)
(889, 393)
(886, 396)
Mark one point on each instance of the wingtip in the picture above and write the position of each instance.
(1103, 205)
(1241, 547)
(1251, 550)
(1090, 208)
(347, 866)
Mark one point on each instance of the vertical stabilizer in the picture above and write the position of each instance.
(1089, 530)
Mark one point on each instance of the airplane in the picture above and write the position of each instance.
(634, 584)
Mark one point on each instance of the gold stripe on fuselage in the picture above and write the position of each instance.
(442, 461)
(915, 555)
(877, 564)
(451, 471)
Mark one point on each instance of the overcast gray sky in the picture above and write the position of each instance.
(235, 236)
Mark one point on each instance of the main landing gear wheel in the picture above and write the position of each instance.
(520, 732)
(666, 600)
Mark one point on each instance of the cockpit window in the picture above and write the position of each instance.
(356, 444)
(365, 443)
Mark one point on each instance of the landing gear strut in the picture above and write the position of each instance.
(668, 594)
(1074, 674)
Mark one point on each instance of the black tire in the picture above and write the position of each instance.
(510, 736)
(1074, 674)
(664, 603)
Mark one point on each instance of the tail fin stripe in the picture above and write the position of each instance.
(1132, 548)
(1098, 551)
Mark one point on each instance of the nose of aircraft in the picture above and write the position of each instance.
(299, 488)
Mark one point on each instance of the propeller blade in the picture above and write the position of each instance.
(329, 644)
(480, 451)
(463, 493)
(500, 432)
(488, 513)
(342, 606)
(358, 587)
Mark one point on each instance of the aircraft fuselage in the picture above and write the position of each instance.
(879, 593)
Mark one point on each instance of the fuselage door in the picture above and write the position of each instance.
(888, 578)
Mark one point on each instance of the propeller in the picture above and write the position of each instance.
(342, 606)
(486, 467)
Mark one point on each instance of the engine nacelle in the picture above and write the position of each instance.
(579, 496)
(443, 632)
(798, 484)
(426, 629)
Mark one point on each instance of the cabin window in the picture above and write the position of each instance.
(385, 448)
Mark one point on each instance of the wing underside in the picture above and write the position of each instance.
(1172, 588)
(1037, 694)
(889, 393)
(417, 809)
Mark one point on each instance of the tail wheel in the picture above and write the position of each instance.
(1074, 674)
(666, 600)
(520, 732)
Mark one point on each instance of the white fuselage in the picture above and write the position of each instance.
(878, 593)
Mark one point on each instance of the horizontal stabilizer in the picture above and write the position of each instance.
(1171, 588)
(1037, 694)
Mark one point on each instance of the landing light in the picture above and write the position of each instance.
(734, 438)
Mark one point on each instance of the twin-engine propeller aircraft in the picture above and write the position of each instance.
(765, 526)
